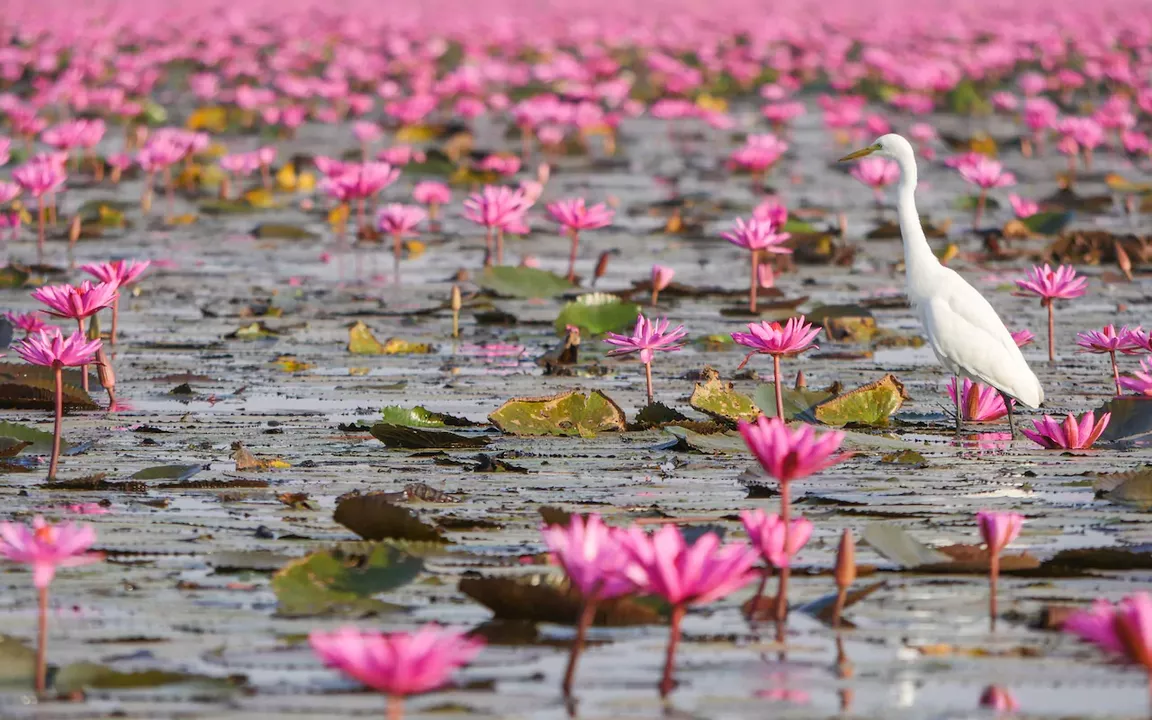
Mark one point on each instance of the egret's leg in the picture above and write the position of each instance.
(956, 379)
(1011, 418)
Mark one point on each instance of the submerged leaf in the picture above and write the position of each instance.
(1047, 223)
(657, 414)
(399, 436)
(420, 416)
(568, 413)
(39, 442)
(901, 548)
(845, 323)
(396, 346)
(719, 399)
(712, 444)
(282, 231)
(798, 402)
(81, 676)
(373, 517)
(343, 581)
(548, 598)
(871, 404)
(523, 282)
(167, 472)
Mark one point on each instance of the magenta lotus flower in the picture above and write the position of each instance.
(647, 338)
(1071, 435)
(1141, 381)
(401, 155)
(1123, 630)
(51, 349)
(758, 154)
(661, 278)
(985, 173)
(46, 548)
(119, 274)
(1110, 341)
(433, 194)
(574, 217)
(28, 322)
(767, 533)
(396, 664)
(1022, 207)
(1049, 285)
(978, 403)
(772, 211)
(757, 235)
(876, 173)
(76, 302)
(998, 530)
(590, 554)
(792, 338)
(39, 179)
(8, 192)
(399, 221)
(498, 209)
(684, 574)
(1023, 338)
(999, 700)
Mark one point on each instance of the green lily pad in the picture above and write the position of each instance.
(167, 472)
(711, 443)
(798, 226)
(40, 442)
(968, 203)
(403, 437)
(523, 282)
(32, 393)
(798, 402)
(964, 99)
(871, 404)
(373, 517)
(17, 663)
(282, 231)
(225, 207)
(568, 413)
(596, 314)
(845, 323)
(94, 676)
(421, 417)
(718, 399)
(341, 580)
(548, 598)
(1047, 223)
(13, 277)
(657, 414)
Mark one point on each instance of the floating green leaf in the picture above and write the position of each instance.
(373, 517)
(845, 323)
(720, 400)
(872, 404)
(420, 416)
(401, 437)
(658, 414)
(40, 441)
(13, 277)
(167, 472)
(1047, 223)
(93, 676)
(901, 548)
(798, 402)
(341, 580)
(282, 231)
(711, 443)
(523, 282)
(17, 663)
(569, 413)
(548, 598)
(596, 314)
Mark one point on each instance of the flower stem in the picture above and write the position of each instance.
(499, 246)
(115, 317)
(667, 683)
(782, 590)
(58, 423)
(1051, 332)
(980, 208)
(397, 247)
(587, 615)
(40, 238)
(1115, 372)
(488, 247)
(648, 378)
(993, 578)
(42, 640)
(754, 284)
(83, 368)
(779, 390)
(754, 608)
(572, 256)
(395, 707)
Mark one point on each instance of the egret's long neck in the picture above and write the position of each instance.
(918, 258)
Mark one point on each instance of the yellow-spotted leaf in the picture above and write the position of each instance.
(361, 341)
(399, 346)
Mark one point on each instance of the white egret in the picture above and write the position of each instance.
(966, 334)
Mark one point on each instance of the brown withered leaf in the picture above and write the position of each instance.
(548, 598)
(426, 493)
(96, 483)
(229, 484)
(297, 501)
(245, 460)
(373, 516)
(973, 559)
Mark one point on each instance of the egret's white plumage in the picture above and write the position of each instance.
(963, 330)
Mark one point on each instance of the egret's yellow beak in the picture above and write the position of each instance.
(861, 153)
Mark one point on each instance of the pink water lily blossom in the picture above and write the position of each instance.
(876, 173)
(985, 173)
(1023, 338)
(399, 221)
(998, 529)
(574, 216)
(767, 533)
(684, 574)
(757, 235)
(1072, 434)
(1050, 285)
(1141, 380)
(28, 322)
(396, 664)
(647, 338)
(1023, 207)
(792, 338)
(499, 209)
(1110, 341)
(978, 403)
(1123, 630)
(661, 278)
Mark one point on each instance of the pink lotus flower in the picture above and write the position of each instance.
(500, 164)
(8, 192)
(366, 132)
(117, 273)
(574, 216)
(1023, 338)
(978, 403)
(1049, 285)
(772, 211)
(401, 155)
(647, 338)
(665, 564)
(1141, 381)
(767, 534)
(999, 700)
(756, 235)
(46, 548)
(1110, 341)
(76, 302)
(661, 278)
(758, 154)
(51, 349)
(590, 554)
(792, 338)
(998, 530)
(499, 209)
(1123, 630)
(1022, 207)
(790, 455)
(39, 179)
(1071, 435)
(399, 221)
(987, 173)
(28, 322)
(433, 194)
(396, 664)
(876, 173)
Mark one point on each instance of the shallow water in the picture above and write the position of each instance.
(921, 648)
